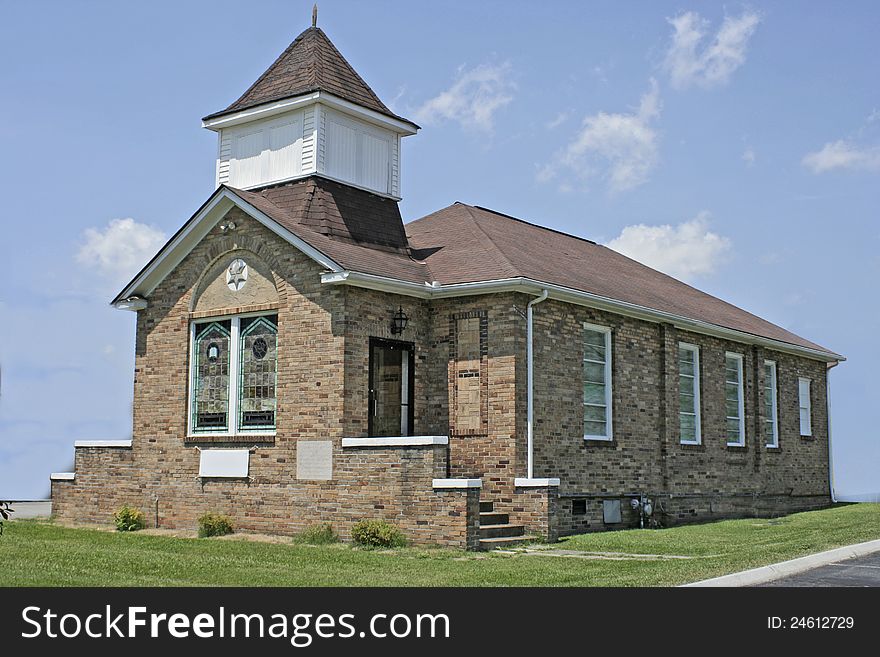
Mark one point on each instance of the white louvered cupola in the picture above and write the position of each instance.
(306, 117)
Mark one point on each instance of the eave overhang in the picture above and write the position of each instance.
(399, 125)
(191, 233)
(561, 293)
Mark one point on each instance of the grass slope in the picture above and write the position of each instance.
(34, 553)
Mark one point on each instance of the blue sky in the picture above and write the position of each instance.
(736, 146)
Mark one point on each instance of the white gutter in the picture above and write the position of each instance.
(530, 409)
(570, 295)
(828, 415)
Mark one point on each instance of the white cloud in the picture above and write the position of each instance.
(749, 156)
(619, 148)
(690, 60)
(473, 99)
(685, 251)
(843, 154)
(558, 120)
(119, 250)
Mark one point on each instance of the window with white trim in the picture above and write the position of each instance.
(771, 426)
(805, 408)
(233, 371)
(689, 393)
(734, 399)
(597, 382)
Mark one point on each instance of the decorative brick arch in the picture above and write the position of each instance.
(221, 248)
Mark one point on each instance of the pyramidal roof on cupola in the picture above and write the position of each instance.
(311, 63)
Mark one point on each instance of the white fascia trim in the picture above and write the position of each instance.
(398, 126)
(102, 443)
(195, 230)
(260, 112)
(457, 483)
(396, 441)
(62, 476)
(561, 293)
(290, 104)
(525, 482)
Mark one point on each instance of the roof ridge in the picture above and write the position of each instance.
(269, 69)
(509, 265)
(534, 225)
(357, 75)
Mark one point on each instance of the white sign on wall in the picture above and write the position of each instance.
(224, 463)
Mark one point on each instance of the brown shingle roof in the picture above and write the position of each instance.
(361, 231)
(466, 243)
(311, 63)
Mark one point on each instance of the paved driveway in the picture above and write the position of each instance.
(861, 571)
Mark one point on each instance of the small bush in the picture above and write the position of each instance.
(129, 519)
(317, 535)
(377, 533)
(213, 524)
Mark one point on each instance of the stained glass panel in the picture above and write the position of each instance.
(211, 383)
(258, 362)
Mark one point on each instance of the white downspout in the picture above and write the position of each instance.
(828, 414)
(530, 407)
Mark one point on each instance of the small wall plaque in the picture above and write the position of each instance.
(314, 460)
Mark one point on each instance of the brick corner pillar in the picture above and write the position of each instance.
(535, 507)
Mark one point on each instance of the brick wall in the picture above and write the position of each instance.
(710, 480)
(470, 384)
(321, 386)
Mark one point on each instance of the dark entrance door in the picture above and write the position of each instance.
(391, 388)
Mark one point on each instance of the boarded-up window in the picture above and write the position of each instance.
(469, 374)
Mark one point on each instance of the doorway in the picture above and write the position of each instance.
(391, 388)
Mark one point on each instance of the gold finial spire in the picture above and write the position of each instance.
(315, 15)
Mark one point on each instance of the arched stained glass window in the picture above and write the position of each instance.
(211, 383)
(258, 362)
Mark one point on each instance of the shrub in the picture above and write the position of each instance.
(377, 533)
(129, 519)
(213, 524)
(317, 535)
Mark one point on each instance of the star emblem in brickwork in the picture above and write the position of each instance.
(236, 275)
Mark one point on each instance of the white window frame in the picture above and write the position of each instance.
(809, 406)
(609, 427)
(698, 429)
(773, 403)
(741, 400)
(232, 421)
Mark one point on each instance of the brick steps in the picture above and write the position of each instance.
(501, 531)
(496, 530)
(503, 542)
(493, 518)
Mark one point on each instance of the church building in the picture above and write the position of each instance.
(303, 356)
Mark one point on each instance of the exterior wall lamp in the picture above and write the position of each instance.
(398, 321)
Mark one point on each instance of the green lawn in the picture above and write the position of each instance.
(34, 553)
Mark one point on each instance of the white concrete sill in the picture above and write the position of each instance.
(457, 483)
(102, 443)
(62, 476)
(523, 482)
(396, 441)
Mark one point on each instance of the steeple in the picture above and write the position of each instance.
(310, 113)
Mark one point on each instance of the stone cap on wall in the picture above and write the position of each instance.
(523, 482)
(396, 441)
(457, 483)
(102, 443)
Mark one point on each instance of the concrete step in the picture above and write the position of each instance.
(501, 531)
(493, 518)
(504, 542)
(486, 507)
